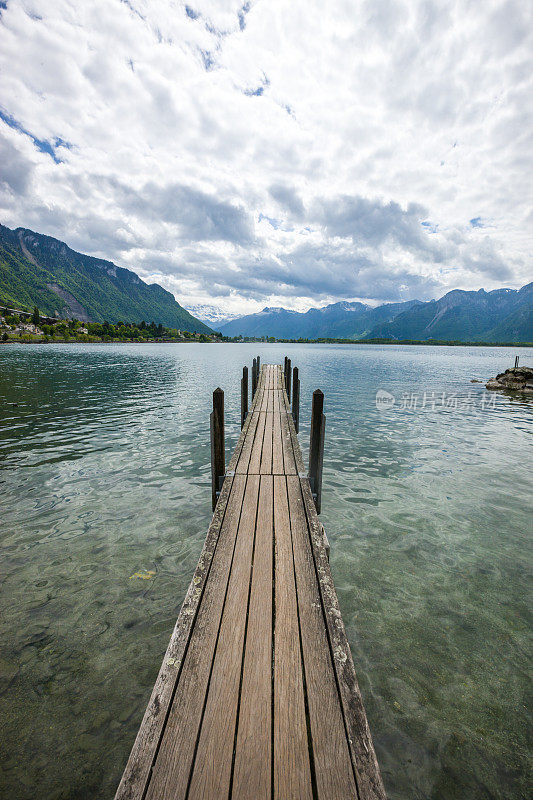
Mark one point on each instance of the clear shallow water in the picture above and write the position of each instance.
(104, 478)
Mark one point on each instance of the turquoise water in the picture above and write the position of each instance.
(104, 475)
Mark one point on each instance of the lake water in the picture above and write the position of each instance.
(105, 485)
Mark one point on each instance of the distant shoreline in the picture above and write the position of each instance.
(405, 343)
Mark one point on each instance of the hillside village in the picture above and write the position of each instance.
(19, 325)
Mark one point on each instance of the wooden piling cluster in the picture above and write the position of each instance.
(257, 697)
(318, 427)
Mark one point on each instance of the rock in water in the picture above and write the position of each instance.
(517, 379)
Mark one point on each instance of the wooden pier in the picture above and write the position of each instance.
(257, 696)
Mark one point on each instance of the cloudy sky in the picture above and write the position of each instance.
(276, 152)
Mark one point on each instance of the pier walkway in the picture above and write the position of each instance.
(257, 696)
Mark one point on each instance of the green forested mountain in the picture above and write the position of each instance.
(344, 320)
(503, 315)
(42, 271)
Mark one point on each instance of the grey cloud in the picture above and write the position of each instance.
(485, 260)
(287, 197)
(509, 25)
(431, 17)
(15, 169)
(309, 270)
(171, 124)
(372, 222)
(326, 271)
(201, 216)
(108, 237)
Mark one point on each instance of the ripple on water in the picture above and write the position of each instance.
(104, 467)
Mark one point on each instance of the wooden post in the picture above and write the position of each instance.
(296, 398)
(254, 378)
(258, 362)
(289, 376)
(316, 447)
(285, 371)
(244, 396)
(516, 362)
(218, 456)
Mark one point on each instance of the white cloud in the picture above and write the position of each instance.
(274, 153)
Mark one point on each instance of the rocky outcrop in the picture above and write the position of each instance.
(75, 309)
(517, 379)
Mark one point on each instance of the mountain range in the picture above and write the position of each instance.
(38, 270)
(502, 315)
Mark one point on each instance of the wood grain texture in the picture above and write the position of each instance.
(212, 768)
(331, 756)
(292, 771)
(173, 764)
(257, 697)
(254, 466)
(277, 443)
(266, 453)
(252, 774)
(369, 781)
(244, 438)
(243, 459)
(290, 465)
(138, 769)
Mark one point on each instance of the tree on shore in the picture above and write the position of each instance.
(35, 317)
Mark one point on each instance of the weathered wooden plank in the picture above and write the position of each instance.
(369, 781)
(271, 373)
(244, 438)
(258, 398)
(212, 768)
(289, 462)
(266, 454)
(290, 467)
(240, 708)
(259, 391)
(294, 444)
(277, 443)
(243, 458)
(252, 772)
(174, 760)
(138, 769)
(292, 771)
(332, 763)
(254, 467)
